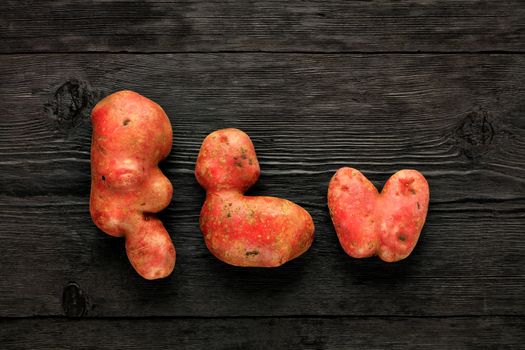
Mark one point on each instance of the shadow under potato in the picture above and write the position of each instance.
(374, 271)
(258, 280)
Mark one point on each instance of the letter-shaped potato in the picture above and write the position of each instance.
(131, 135)
(369, 223)
(245, 230)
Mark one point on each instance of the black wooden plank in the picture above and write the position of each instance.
(458, 118)
(55, 262)
(266, 333)
(265, 25)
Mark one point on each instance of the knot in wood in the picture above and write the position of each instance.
(475, 133)
(71, 104)
(74, 302)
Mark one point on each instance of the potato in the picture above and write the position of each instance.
(387, 224)
(131, 135)
(245, 230)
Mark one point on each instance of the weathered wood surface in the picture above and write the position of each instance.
(264, 25)
(457, 118)
(438, 86)
(267, 333)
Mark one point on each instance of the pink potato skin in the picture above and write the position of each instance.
(131, 135)
(246, 230)
(368, 223)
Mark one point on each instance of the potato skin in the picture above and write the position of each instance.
(131, 134)
(387, 224)
(256, 231)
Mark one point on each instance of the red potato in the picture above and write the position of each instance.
(131, 135)
(243, 230)
(369, 223)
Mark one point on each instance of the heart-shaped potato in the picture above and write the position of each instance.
(370, 223)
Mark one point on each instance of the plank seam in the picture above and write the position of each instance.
(306, 52)
(58, 317)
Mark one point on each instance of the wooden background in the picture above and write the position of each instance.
(438, 86)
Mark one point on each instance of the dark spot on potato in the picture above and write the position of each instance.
(103, 178)
(252, 253)
(418, 206)
(230, 204)
(344, 188)
(142, 204)
(250, 161)
(412, 191)
(239, 164)
(229, 215)
(224, 138)
(402, 237)
(243, 153)
(126, 122)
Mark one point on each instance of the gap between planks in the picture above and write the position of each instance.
(305, 52)
(241, 317)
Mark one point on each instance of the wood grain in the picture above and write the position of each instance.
(263, 25)
(257, 333)
(468, 264)
(453, 117)
(265, 333)
(317, 85)
(457, 118)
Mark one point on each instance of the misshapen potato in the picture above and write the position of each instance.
(246, 230)
(387, 224)
(131, 135)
